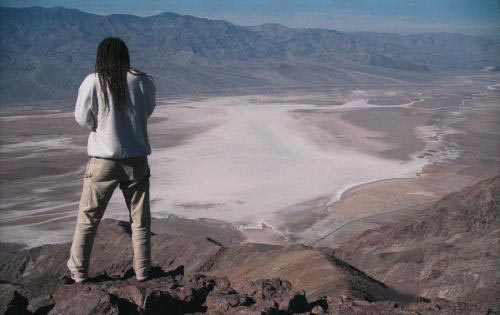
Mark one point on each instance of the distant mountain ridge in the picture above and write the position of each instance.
(47, 51)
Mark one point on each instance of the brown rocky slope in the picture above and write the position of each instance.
(448, 250)
(201, 275)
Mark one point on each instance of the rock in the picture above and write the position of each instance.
(7, 291)
(41, 304)
(268, 289)
(361, 302)
(201, 293)
(83, 300)
(317, 310)
(18, 305)
(343, 298)
(319, 306)
(298, 303)
(198, 287)
(159, 301)
(130, 293)
(222, 300)
(276, 295)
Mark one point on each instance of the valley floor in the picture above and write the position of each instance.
(271, 168)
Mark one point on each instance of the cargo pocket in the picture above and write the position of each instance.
(141, 170)
(88, 169)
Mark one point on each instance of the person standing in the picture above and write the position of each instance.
(114, 103)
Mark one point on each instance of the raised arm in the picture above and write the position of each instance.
(86, 105)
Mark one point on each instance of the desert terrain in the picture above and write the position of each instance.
(293, 170)
(279, 167)
(437, 260)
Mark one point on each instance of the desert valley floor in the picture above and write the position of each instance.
(304, 165)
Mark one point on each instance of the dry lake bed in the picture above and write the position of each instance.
(279, 167)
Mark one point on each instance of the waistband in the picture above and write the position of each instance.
(133, 158)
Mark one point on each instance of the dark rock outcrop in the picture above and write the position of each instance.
(166, 293)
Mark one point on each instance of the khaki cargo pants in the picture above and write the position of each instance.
(102, 176)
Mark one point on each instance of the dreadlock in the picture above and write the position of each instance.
(112, 64)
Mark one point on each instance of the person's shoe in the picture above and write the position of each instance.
(80, 280)
(67, 280)
(72, 279)
(142, 279)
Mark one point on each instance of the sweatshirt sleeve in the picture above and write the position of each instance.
(150, 95)
(86, 105)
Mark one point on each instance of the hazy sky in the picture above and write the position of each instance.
(399, 16)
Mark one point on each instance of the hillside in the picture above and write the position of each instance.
(447, 250)
(200, 275)
(442, 258)
(47, 52)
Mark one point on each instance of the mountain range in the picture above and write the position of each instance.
(46, 52)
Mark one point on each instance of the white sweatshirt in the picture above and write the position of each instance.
(113, 136)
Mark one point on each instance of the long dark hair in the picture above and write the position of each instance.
(112, 64)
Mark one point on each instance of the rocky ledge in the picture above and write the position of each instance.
(174, 292)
